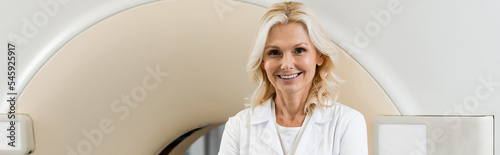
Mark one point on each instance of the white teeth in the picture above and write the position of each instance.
(289, 76)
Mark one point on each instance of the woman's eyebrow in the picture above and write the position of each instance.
(298, 44)
(301, 43)
(271, 46)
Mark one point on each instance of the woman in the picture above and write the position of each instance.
(294, 108)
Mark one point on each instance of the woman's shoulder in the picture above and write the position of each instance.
(344, 112)
(254, 113)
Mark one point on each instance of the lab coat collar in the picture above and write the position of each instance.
(311, 137)
(262, 113)
(320, 114)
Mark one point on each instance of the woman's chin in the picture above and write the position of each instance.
(289, 90)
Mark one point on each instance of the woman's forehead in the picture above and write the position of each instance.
(287, 34)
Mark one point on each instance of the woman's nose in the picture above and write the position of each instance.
(287, 63)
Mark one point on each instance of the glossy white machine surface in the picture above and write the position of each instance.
(428, 135)
(432, 58)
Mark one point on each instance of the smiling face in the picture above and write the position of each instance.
(290, 59)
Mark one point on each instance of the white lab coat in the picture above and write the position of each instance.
(335, 130)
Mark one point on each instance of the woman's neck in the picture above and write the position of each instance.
(290, 108)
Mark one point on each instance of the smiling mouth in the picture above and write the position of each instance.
(289, 76)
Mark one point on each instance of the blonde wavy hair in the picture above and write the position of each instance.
(325, 83)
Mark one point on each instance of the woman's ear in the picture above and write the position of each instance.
(320, 59)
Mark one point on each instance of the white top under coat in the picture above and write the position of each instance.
(335, 130)
(288, 136)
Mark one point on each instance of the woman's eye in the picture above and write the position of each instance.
(300, 50)
(274, 52)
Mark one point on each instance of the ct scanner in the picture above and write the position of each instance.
(129, 77)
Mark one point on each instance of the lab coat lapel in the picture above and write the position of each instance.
(313, 134)
(270, 137)
(262, 117)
